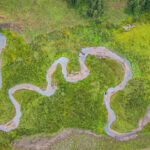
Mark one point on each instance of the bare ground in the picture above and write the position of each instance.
(44, 142)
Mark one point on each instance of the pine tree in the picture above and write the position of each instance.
(96, 7)
(137, 6)
(147, 5)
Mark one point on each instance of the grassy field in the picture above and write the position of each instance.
(131, 104)
(84, 141)
(87, 142)
(37, 16)
(115, 11)
(78, 105)
(40, 17)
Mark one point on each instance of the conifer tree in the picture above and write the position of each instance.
(95, 8)
(137, 6)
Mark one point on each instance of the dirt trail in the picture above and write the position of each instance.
(43, 143)
(10, 26)
(100, 52)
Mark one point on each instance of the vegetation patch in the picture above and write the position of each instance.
(37, 17)
(131, 104)
(78, 105)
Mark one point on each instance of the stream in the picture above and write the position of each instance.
(100, 52)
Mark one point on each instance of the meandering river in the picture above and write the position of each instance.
(100, 52)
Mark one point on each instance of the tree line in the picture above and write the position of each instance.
(92, 8)
(95, 8)
(138, 6)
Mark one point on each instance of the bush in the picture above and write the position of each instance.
(138, 6)
(94, 8)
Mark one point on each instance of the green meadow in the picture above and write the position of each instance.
(37, 17)
(53, 30)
